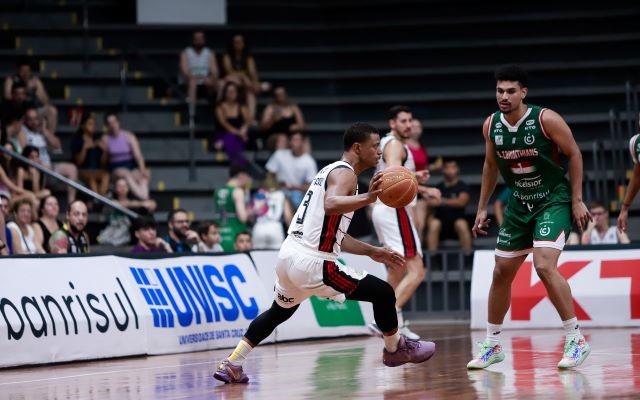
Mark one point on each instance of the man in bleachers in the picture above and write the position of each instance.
(35, 92)
(293, 169)
(14, 107)
(199, 68)
(449, 220)
(145, 230)
(77, 218)
(599, 231)
(181, 238)
(38, 135)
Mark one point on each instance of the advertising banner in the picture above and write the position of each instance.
(605, 286)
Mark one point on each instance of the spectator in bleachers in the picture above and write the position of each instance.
(199, 68)
(293, 169)
(48, 221)
(281, 117)
(13, 134)
(243, 242)
(39, 135)
(500, 204)
(77, 218)
(89, 153)
(22, 234)
(30, 178)
(7, 181)
(35, 92)
(232, 213)
(125, 157)
(145, 230)
(180, 237)
(5, 234)
(239, 67)
(209, 233)
(232, 124)
(599, 231)
(273, 212)
(123, 196)
(14, 108)
(448, 220)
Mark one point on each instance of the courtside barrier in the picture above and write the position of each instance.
(55, 309)
(605, 284)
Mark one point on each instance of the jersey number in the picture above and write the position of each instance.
(305, 204)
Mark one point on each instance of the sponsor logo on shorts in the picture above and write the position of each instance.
(503, 232)
(285, 299)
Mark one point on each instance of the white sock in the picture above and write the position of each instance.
(239, 355)
(391, 342)
(400, 317)
(493, 333)
(571, 327)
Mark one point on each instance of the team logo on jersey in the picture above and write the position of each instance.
(499, 125)
(523, 167)
(529, 139)
(546, 216)
(530, 122)
(545, 230)
(499, 140)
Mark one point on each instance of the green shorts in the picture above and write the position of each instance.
(526, 226)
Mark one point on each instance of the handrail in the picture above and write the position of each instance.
(69, 182)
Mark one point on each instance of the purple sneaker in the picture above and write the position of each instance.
(229, 373)
(409, 351)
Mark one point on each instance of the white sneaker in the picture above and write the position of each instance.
(404, 330)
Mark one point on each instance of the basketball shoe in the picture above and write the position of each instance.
(576, 351)
(229, 373)
(408, 351)
(486, 356)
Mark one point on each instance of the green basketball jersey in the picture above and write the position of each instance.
(527, 159)
(226, 217)
(634, 148)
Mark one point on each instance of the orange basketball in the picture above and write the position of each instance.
(399, 187)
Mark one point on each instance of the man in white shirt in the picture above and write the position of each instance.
(293, 169)
(198, 66)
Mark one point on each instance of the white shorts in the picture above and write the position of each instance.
(395, 230)
(267, 235)
(301, 274)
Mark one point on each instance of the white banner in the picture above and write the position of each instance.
(605, 286)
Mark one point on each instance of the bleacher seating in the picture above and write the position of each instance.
(342, 61)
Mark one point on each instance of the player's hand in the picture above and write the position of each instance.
(581, 215)
(623, 219)
(388, 257)
(433, 195)
(374, 187)
(423, 176)
(481, 224)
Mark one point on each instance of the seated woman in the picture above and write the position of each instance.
(125, 157)
(22, 234)
(232, 124)
(239, 67)
(122, 195)
(30, 178)
(89, 153)
(48, 223)
(281, 117)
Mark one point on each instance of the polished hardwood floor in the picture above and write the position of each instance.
(352, 368)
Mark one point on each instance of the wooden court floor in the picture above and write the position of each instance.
(352, 368)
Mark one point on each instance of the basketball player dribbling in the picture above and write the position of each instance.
(634, 183)
(307, 264)
(522, 143)
(394, 226)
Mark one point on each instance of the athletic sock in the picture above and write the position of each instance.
(239, 355)
(571, 328)
(391, 342)
(493, 333)
(400, 317)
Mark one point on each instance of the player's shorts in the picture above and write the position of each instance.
(522, 230)
(267, 235)
(395, 230)
(302, 273)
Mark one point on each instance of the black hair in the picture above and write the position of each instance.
(232, 51)
(43, 203)
(597, 204)
(239, 90)
(28, 149)
(74, 202)
(236, 169)
(203, 228)
(245, 232)
(108, 114)
(174, 212)
(357, 133)
(24, 61)
(144, 222)
(395, 110)
(83, 120)
(513, 73)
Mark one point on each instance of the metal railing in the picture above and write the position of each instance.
(69, 182)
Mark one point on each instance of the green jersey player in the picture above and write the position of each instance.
(634, 183)
(522, 143)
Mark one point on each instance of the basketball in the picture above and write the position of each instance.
(399, 187)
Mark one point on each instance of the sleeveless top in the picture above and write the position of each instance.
(310, 226)
(634, 148)
(527, 159)
(119, 148)
(37, 140)
(198, 63)
(408, 161)
(225, 209)
(46, 235)
(283, 125)
(269, 206)
(610, 236)
(236, 121)
(420, 157)
(29, 241)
